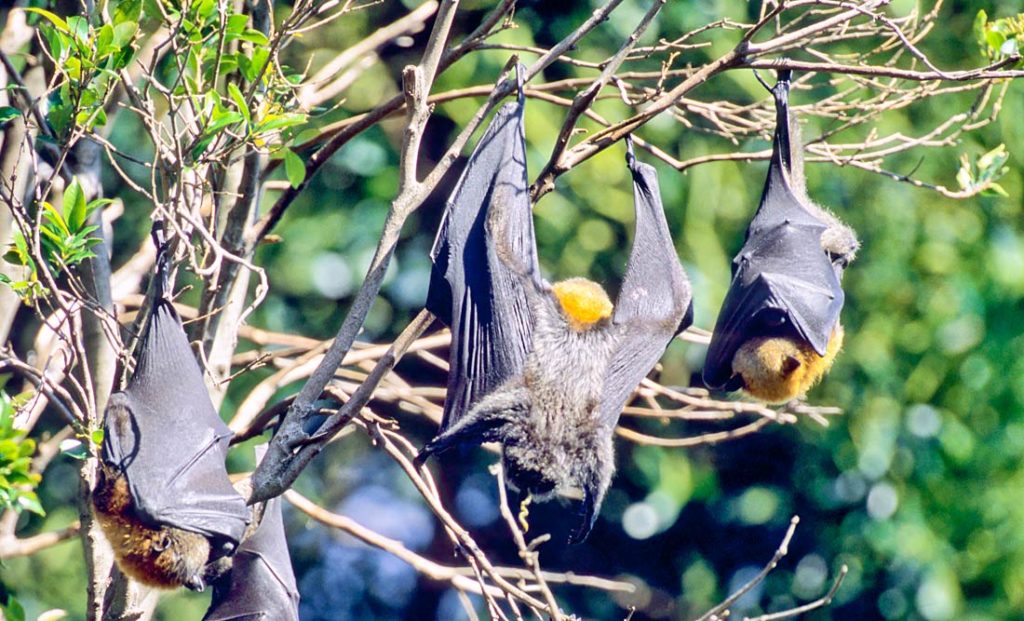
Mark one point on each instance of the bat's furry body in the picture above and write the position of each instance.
(545, 369)
(546, 419)
(164, 557)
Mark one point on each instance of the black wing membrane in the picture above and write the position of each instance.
(261, 583)
(783, 281)
(163, 433)
(471, 289)
(654, 303)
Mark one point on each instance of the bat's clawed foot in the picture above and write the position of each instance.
(195, 583)
(422, 457)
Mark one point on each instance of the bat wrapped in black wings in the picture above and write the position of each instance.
(163, 497)
(778, 330)
(261, 584)
(545, 369)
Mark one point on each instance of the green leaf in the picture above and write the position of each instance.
(994, 189)
(58, 42)
(246, 68)
(79, 27)
(201, 145)
(255, 36)
(56, 218)
(13, 609)
(104, 39)
(980, 20)
(279, 121)
(239, 99)
(205, 8)
(253, 67)
(57, 22)
(127, 11)
(236, 24)
(222, 120)
(74, 205)
(124, 33)
(7, 113)
(294, 168)
(995, 40)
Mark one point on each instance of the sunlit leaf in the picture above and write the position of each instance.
(294, 168)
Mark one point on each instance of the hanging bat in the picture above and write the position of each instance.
(778, 331)
(260, 584)
(163, 497)
(544, 369)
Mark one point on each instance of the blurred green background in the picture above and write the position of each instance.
(918, 487)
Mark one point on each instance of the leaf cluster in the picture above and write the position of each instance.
(17, 481)
(65, 239)
(999, 38)
(89, 58)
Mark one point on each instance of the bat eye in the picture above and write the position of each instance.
(162, 543)
(773, 317)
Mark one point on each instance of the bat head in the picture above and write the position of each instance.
(778, 369)
(584, 303)
(575, 466)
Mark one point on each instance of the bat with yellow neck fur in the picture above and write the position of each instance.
(544, 369)
(778, 331)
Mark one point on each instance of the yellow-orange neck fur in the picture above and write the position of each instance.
(778, 369)
(583, 301)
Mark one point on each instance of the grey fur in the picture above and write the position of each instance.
(556, 405)
(553, 441)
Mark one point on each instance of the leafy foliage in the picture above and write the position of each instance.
(89, 58)
(983, 172)
(999, 38)
(17, 481)
(65, 239)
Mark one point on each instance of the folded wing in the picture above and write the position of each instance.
(163, 433)
(471, 289)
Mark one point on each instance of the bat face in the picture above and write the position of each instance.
(162, 557)
(778, 330)
(164, 497)
(548, 375)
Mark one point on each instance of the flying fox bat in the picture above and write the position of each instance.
(778, 331)
(163, 497)
(260, 584)
(545, 369)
